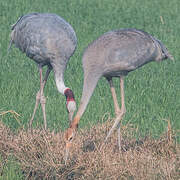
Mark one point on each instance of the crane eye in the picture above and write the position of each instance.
(70, 139)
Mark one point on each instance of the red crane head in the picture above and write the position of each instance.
(70, 103)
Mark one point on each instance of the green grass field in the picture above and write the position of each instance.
(152, 93)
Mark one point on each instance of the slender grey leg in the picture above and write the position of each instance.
(113, 92)
(123, 109)
(35, 108)
(40, 96)
(43, 98)
(43, 103)
(119, 116)
(119, 136)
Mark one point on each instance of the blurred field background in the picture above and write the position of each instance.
(152, 93)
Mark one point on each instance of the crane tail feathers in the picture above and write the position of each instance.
(12, 34)
(13, 25)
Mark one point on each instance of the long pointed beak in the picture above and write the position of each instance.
(66, 156)
(68, 145)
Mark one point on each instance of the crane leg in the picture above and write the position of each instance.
(43, 104)
(35, 108)
(123, 110)
(119, 112)
(113, 92)
(40, 98)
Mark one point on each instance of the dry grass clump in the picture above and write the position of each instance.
(41, 153)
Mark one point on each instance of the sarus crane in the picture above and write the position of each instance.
(114, 54)
(50, 41)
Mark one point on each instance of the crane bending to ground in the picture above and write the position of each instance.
(114, 54)
(50, 41)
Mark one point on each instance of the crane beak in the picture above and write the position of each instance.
(69, 134)
(68, 145)
(71, 107)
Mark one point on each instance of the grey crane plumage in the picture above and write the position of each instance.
(50, 41)
(115, 54)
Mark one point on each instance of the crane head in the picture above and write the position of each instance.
(70, 103)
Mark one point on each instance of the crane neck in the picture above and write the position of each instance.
(60, 86)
